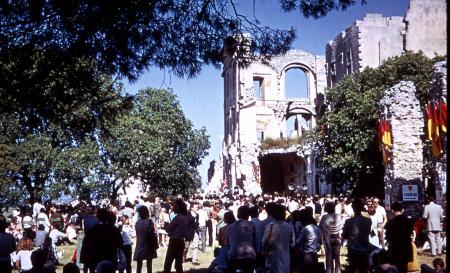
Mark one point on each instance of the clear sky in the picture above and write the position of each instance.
(202, 98)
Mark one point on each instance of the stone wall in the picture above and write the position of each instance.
(402, 109)
(252, 115)
(438, 86)
(370, 41)
(366, 43)
(379, 38)
(426, 25)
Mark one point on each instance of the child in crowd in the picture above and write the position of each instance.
(23, 254)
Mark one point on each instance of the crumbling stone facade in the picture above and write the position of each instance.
(256, 107)
(405, 167)
(402, 108)
(426, 27)
(372, 40)
(438, 86)
(366, 42)
(254, 112)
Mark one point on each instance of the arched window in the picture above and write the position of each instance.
(294, 126)
(296, 84)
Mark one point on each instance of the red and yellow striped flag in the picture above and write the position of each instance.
(433, 124)
(443, 116)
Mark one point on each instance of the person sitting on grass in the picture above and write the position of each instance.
(58, 237)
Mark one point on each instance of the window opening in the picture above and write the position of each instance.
(257, 87)
(296, 84)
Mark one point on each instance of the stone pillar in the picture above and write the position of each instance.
(404, 170)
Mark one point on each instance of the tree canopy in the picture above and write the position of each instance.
(156, 144)
(125, 37)
(346, 135)
(63, 114)
(152, 142)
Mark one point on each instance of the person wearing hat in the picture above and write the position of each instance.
(28, 223)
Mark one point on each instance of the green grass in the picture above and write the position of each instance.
(206, 258)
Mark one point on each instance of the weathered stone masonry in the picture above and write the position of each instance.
(252, 115)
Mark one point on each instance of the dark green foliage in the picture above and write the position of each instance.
(317, 9)
(48, 122)
(346, 135)
(125, 37)
(153, 142)
(157, 144)
(49, 88)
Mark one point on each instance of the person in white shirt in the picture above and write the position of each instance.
(37, 206)
(434, 213)
(23, 254)
(202, 217)
(380, 214)
(58, 237)
(42, 219)
(40, 236)
(164, 221)
(339, 206)
(71, 232)
(293, 205)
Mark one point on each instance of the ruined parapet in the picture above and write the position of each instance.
(215, 176)
(426, 27)
(404, 169)
(366, 43)
(438, 87)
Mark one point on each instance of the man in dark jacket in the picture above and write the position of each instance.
(398, 236)
(356, 231)
(101, 242)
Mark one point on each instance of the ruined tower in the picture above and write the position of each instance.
(271, 101)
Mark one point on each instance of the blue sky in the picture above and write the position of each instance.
(202, 98)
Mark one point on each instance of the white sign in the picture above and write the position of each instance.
(410, 193)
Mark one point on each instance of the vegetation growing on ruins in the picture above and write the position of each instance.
(346, 135)
(281, 143)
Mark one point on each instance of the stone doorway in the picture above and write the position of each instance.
(281, 169)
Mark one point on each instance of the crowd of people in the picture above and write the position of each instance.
(266, 233)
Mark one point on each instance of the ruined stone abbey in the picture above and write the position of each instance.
(262, 109)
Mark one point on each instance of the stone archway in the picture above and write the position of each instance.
(278, 170)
